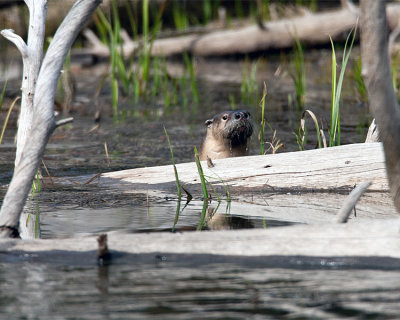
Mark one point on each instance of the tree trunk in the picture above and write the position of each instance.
(42, 96)
(382, 99)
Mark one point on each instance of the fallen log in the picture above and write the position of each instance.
(311, 29)
(297, 187)
(373, 239)
(329, 169)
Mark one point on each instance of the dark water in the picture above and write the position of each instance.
(169, 290)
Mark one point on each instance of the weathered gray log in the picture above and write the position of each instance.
(376, 239)
(311, 29)
(329, 169)
(381, 95)
(42, 123)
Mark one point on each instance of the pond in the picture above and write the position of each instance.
(152, 287)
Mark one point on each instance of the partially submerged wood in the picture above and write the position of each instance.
(298, 187)
(373, 239)
(312, 29)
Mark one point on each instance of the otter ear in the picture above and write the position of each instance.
(209, 122)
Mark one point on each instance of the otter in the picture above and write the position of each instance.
(227, 135)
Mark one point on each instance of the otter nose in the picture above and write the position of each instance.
(239, 115)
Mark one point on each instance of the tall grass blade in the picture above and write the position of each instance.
(262, 148)
(302, 129)
(3, 92)
(8, 117)
(337, 88)
(201, 174)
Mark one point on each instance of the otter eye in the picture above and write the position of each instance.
(225, 117)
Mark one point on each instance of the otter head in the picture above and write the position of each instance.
(233, 127)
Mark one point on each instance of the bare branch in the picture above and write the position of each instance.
(351, 201)
(17, 40)
(65, 121)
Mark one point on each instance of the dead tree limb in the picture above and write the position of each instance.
(32, 55)
(43, 122)
(381, 95)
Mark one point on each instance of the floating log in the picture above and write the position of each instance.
(373, 239)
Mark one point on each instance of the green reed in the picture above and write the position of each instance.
(262, 104)
(334, 130)
(8, 114)
(299, 75)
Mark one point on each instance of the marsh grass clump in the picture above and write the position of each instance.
(142, 77)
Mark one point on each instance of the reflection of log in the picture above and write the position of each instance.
(311, 29)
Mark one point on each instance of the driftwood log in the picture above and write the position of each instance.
(312, 29)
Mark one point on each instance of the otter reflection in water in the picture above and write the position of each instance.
(227, 135)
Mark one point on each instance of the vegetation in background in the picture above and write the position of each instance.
(142, 77)
(395, 63)
(359, 80)
(299, 76)
(249, 86)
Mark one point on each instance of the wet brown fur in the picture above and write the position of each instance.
(227, 135)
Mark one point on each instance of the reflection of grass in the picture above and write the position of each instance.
(178, 184)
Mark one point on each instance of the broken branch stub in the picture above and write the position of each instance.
(43, 123)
